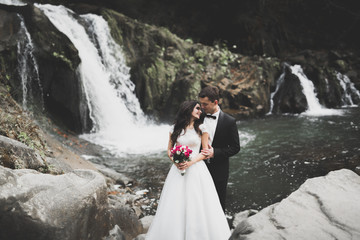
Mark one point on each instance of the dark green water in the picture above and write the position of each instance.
(286, 151)
(278, 154)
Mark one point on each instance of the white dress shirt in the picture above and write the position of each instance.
(211, 124)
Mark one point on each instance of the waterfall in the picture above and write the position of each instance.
(314, 107)
(119, 123)
(279, 82)
(28, 69)
(114, 63)
(12, 2)
(350, 92)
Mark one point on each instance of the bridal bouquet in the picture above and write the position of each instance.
(181, 154)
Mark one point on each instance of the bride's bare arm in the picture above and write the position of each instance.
(205, 140)
(170, 146)
(205, 145)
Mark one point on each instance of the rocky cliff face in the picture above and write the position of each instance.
(324, 69)
(167, 70)
(59, 91)
(274, 28)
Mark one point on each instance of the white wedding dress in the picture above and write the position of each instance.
(189, 207)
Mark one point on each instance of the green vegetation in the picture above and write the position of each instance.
(63, 58)
(18, 125)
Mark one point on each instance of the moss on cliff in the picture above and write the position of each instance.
(18, 124)
(168, 70)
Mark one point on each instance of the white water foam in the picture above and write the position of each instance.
(314, 107)
(119, 124)
(246, 138)
(12, 2)
(350, 92)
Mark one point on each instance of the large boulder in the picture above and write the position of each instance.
(44, 206)
(322, 208)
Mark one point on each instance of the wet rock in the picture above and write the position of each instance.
(9, 28)
(241, 216)
(322, 208)
(14, 154)
(43, 206)
(357, 170)
(125, 217)
(140, 237)
(290, 97)
(58, 166)
(323, 69)
(115, 234)
(146, 222)
(117, 177)
(57, 61)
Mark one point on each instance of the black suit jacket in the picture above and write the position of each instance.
(225, 144)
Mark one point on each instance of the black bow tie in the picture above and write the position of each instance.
(210, 116)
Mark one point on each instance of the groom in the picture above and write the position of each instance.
(224, 140)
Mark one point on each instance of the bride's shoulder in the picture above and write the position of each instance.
(203, 127)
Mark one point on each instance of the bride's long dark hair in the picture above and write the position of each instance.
(183, 118)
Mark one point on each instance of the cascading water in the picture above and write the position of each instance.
(119, 123)
(279, 82)
(12, 2)
(114, 63)
(28, 69)
(350, 92)
(314, 107)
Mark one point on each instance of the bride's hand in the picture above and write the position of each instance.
(181, 166)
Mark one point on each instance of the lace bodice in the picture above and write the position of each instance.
(191, 139)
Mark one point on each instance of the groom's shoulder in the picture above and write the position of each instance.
(228, 116)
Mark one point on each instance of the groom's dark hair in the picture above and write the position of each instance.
(211, 92)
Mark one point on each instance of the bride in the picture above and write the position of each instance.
(189, 207)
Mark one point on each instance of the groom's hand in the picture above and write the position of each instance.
(208, 153)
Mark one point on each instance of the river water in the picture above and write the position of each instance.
(286, 151)
(278, 154)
